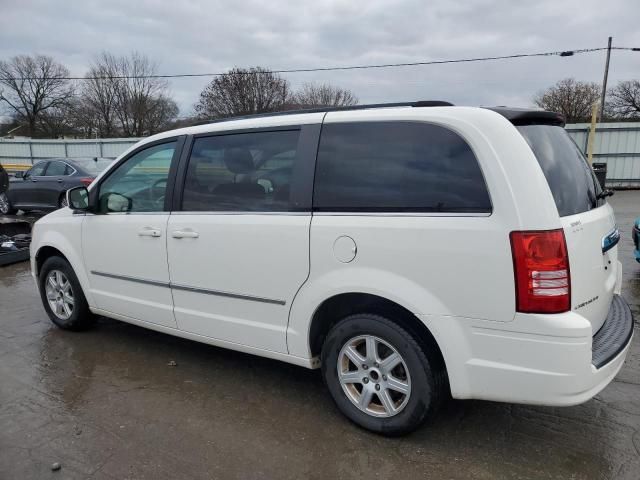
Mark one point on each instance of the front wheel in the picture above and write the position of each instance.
(62, 295)
(379, 376)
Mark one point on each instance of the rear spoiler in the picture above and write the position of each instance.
(523, 116)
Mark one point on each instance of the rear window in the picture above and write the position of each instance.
(572, 182)
(397, 167)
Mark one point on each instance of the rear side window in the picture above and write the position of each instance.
(572, 182)
(397, 166)
(56, 169)
(241, 172)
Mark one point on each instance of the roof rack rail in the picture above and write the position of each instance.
(421, 103)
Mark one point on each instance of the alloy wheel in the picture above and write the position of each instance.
(59, 294)
(4, 204)
(374, 376)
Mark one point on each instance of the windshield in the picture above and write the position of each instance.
(93, 167)
(572, 182)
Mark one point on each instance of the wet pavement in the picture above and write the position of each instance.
(110, 403)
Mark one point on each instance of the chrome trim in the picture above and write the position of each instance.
(610, 240)
(164, 212)
(188, 288)
(292, 214)
(220, 293)
(132, 279)
(401, 214)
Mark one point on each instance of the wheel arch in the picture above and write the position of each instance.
(45, 252)
(60, 247)
(339, 306)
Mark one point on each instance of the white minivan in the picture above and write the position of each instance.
(411, 251)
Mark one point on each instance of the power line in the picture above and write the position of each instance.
(564, 53)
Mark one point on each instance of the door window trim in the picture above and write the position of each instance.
(303, 170)
(168, 198)
(59, 161)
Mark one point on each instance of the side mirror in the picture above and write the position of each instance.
(115, 202)
(19, 174)
(78, 198)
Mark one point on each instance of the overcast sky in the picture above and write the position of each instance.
(189, 36)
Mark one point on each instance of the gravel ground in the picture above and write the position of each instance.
(123, 402)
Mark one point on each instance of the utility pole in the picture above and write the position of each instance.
(604, 82)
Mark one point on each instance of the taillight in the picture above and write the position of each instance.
(86, 181)
(541, 267)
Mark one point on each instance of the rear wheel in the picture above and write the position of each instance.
(62, 295)
(62, 202)
(5, 205)
(379, 376)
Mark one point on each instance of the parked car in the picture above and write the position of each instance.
(635, 234)
(44, 185)
(411, 252)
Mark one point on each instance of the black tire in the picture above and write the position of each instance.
(81, 317)
(428, 380)
(62, 201)
(5, 206)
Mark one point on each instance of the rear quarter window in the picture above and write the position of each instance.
(573, 184)
(397, 166)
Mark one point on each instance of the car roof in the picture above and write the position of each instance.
(517, 116)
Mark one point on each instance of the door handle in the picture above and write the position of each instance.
(184, 234)
(149, 232)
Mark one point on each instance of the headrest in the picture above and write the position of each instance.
(238, 160)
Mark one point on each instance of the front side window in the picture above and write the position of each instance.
(56, 169)
(241, 172)
(37, 170)
(140, 183)
(397, 167)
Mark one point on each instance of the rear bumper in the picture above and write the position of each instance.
(536, 359)
(614, 335)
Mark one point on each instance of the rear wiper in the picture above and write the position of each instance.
(604, 194)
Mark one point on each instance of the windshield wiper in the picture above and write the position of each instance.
(604, 194)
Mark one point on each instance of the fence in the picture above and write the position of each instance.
(616, 144)
(20, 154)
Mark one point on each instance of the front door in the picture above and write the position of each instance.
(124, 243)
(239, 243)
(26, 192)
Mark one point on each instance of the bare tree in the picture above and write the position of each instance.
(323, 95)
(161, 113)
(243, 92)
(33, 85)
(98, 95)
(624, 99)
(137, 93)
(56, 122)
(571, 98)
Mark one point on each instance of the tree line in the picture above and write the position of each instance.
(121, 96)
(574, 99)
